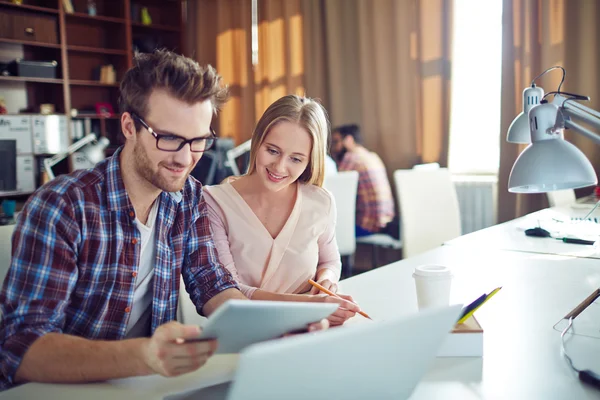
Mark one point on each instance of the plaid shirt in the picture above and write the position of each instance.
(374, 202)
(76, 251)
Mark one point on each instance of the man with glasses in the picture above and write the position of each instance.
(92, 290)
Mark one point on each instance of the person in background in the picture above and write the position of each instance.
(274, 227)
(91, 293)
(374, 202)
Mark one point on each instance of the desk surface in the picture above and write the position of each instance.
(511, 236)
(522, 356)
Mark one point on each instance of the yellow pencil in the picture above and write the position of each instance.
(329, 292)
(489, 296)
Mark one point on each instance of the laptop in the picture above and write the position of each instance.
(376, 360)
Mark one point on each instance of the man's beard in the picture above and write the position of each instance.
(144, 169)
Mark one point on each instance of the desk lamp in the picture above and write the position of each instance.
(93, 152)
(550, 162)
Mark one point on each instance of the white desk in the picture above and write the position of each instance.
(521, 350)
(508, 236)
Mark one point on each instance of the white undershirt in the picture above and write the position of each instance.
(142, 295)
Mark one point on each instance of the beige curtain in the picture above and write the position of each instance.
(219, 33)
(537, 35)
(384, 64)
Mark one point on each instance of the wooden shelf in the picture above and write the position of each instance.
(99, 18)
(99, 50)
(4, 3)
(30, 43)
(79, 82)
(96, 116)
(156, 26)
(29, 79)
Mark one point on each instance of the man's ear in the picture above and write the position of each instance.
(128, 126)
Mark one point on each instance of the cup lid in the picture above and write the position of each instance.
(432, 271)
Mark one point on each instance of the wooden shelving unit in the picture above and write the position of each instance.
(92, 83)
(30, 43)
(81, 43)
(30, 79)
(47, 10)
(99, 50)
(97, 18)
(156, 26)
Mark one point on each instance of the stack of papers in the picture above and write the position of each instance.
(561, 225)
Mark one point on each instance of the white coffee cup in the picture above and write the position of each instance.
(433, 285)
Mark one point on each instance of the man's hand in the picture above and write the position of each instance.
(168, 352)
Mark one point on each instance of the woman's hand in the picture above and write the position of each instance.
(346, 310)
(327, 284)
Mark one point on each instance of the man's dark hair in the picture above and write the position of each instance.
(350, 130)
(181, 77)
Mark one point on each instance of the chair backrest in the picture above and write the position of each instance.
(427, 166)
(429, 210)
(233, 154)
(6, 232)
(561, 197)
(343, 186)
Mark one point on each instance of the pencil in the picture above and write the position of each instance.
(489, 296)
(329, 292)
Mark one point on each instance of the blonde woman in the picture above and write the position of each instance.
(274, 228)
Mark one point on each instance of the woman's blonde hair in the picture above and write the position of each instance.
(310, 115)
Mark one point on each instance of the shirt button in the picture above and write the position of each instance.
(131, 214)
(127, 309)
(133, 241)
(134, 274)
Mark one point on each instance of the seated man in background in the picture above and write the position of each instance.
(374, 202)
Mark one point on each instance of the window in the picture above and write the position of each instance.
(476, 84)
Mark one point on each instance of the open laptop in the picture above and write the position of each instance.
(378, 360)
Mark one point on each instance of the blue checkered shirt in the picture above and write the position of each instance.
(75, 252)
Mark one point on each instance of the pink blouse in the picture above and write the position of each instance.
(305, 245)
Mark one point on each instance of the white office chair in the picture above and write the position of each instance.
(561, 197)
(236, 152)
(186, 310)
(430, 214)
(343, 186)
(6, 232)
(427, 166)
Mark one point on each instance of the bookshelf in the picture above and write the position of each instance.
(81, 42)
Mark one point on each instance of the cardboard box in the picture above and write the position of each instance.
(465, 340)
(17, 127)
(50, 134)
(26, 174)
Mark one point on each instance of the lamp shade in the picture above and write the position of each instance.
(518, 132)
(549, 165)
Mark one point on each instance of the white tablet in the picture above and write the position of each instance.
(240, 323)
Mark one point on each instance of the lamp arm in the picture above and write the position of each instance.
(50, 162)
(578, 111)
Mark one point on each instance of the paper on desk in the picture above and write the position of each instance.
(561, 225)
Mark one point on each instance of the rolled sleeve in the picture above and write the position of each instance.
(203, 274)
(40, 279)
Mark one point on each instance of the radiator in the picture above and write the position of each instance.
(477, 200)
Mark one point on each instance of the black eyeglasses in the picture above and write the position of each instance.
(175, 143)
